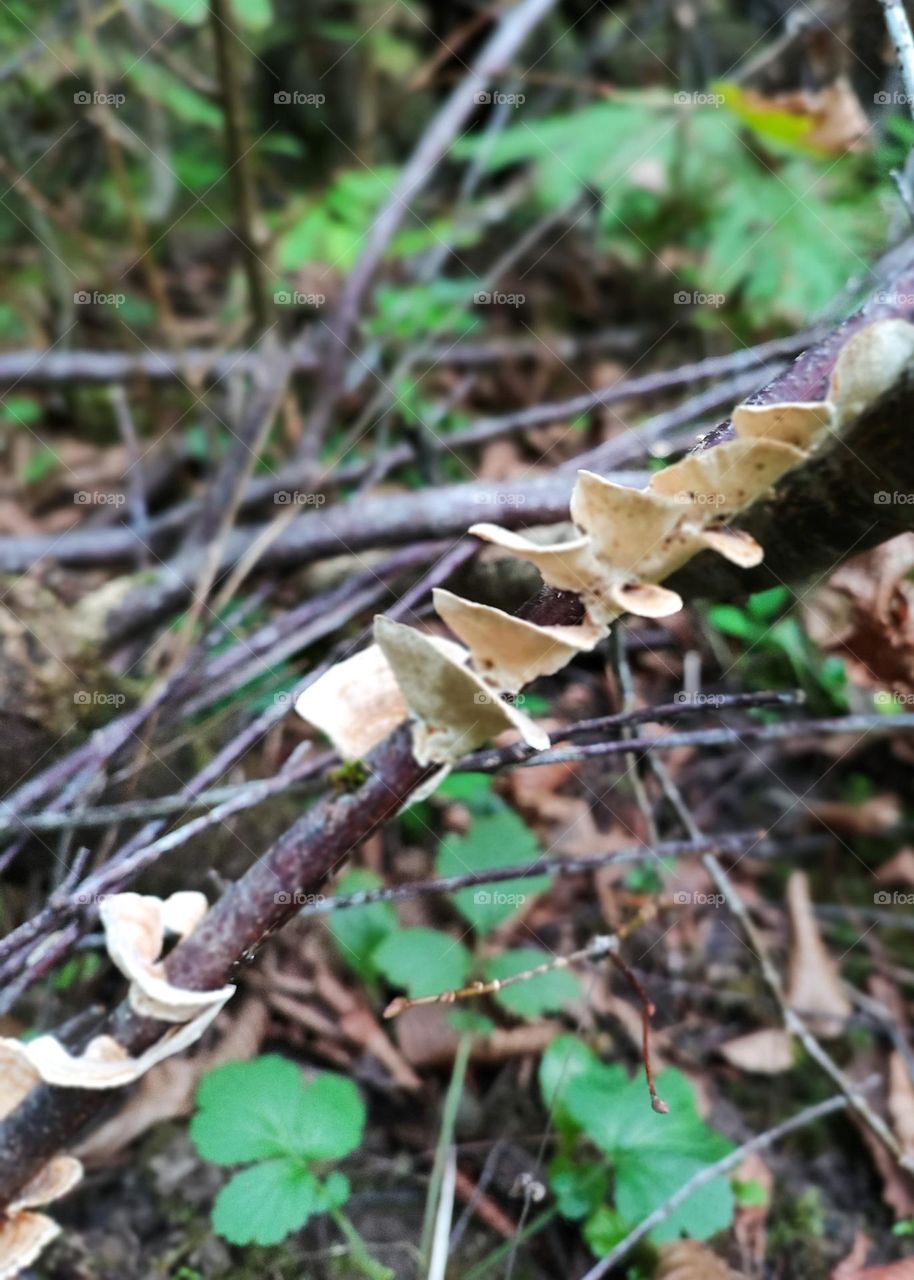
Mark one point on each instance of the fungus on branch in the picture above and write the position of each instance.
(626, 542)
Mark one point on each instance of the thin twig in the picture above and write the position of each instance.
(737, 843)
(239, 151)
(877, 725)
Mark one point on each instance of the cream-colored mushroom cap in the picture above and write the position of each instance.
(454, 710)
(509, 652)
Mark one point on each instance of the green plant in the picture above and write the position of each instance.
(288, 1134)
(767, 223)
(426, 961)
(776, 648)
(643, 1157)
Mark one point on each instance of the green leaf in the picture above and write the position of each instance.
(192, 12)
(358, 931)
(423, 961)
(262, 1109)
(533, 996)
(160, 85)
(20, 410)
(472, 789)
(329, 1119)
(472, 1021)
(773, 123)
(255, 15)
(750, 1192)
(261, 1205)
(604, 1229)
(733, 621)
(40, 464)
(566, 1058)
(579, 1186)
(653, 1155)
(499, 839)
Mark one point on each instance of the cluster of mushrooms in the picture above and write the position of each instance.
(458, 696)
(624, 543)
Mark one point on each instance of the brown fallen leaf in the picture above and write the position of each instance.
(898, 870)
(766, 1052)
(691, 1260)
(749, 1222)
(813, 984)
(865, 613)
(871, 818)
(427, 1039)
(851, 1268)
(901, 1101)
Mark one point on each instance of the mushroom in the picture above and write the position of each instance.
(23, 1233)
(453, 708)
(104, 1063)
(507, 651)
(135, 926)
(358, 702)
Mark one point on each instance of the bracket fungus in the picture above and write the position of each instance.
(624, 543)
(24, 1233)
(135, 927)
(453, 707)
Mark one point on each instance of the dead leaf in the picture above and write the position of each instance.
(691, 1260)
(836, 120)
(871, 818)
(898, 870)
(427, 1038)
(813, 985)
(849, 1269)
(901, 1101)
(750, 1219)
(766, 1052)
(865, 613)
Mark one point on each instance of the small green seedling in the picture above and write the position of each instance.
(289, 1134)
(426, 962)
(643, 1157)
